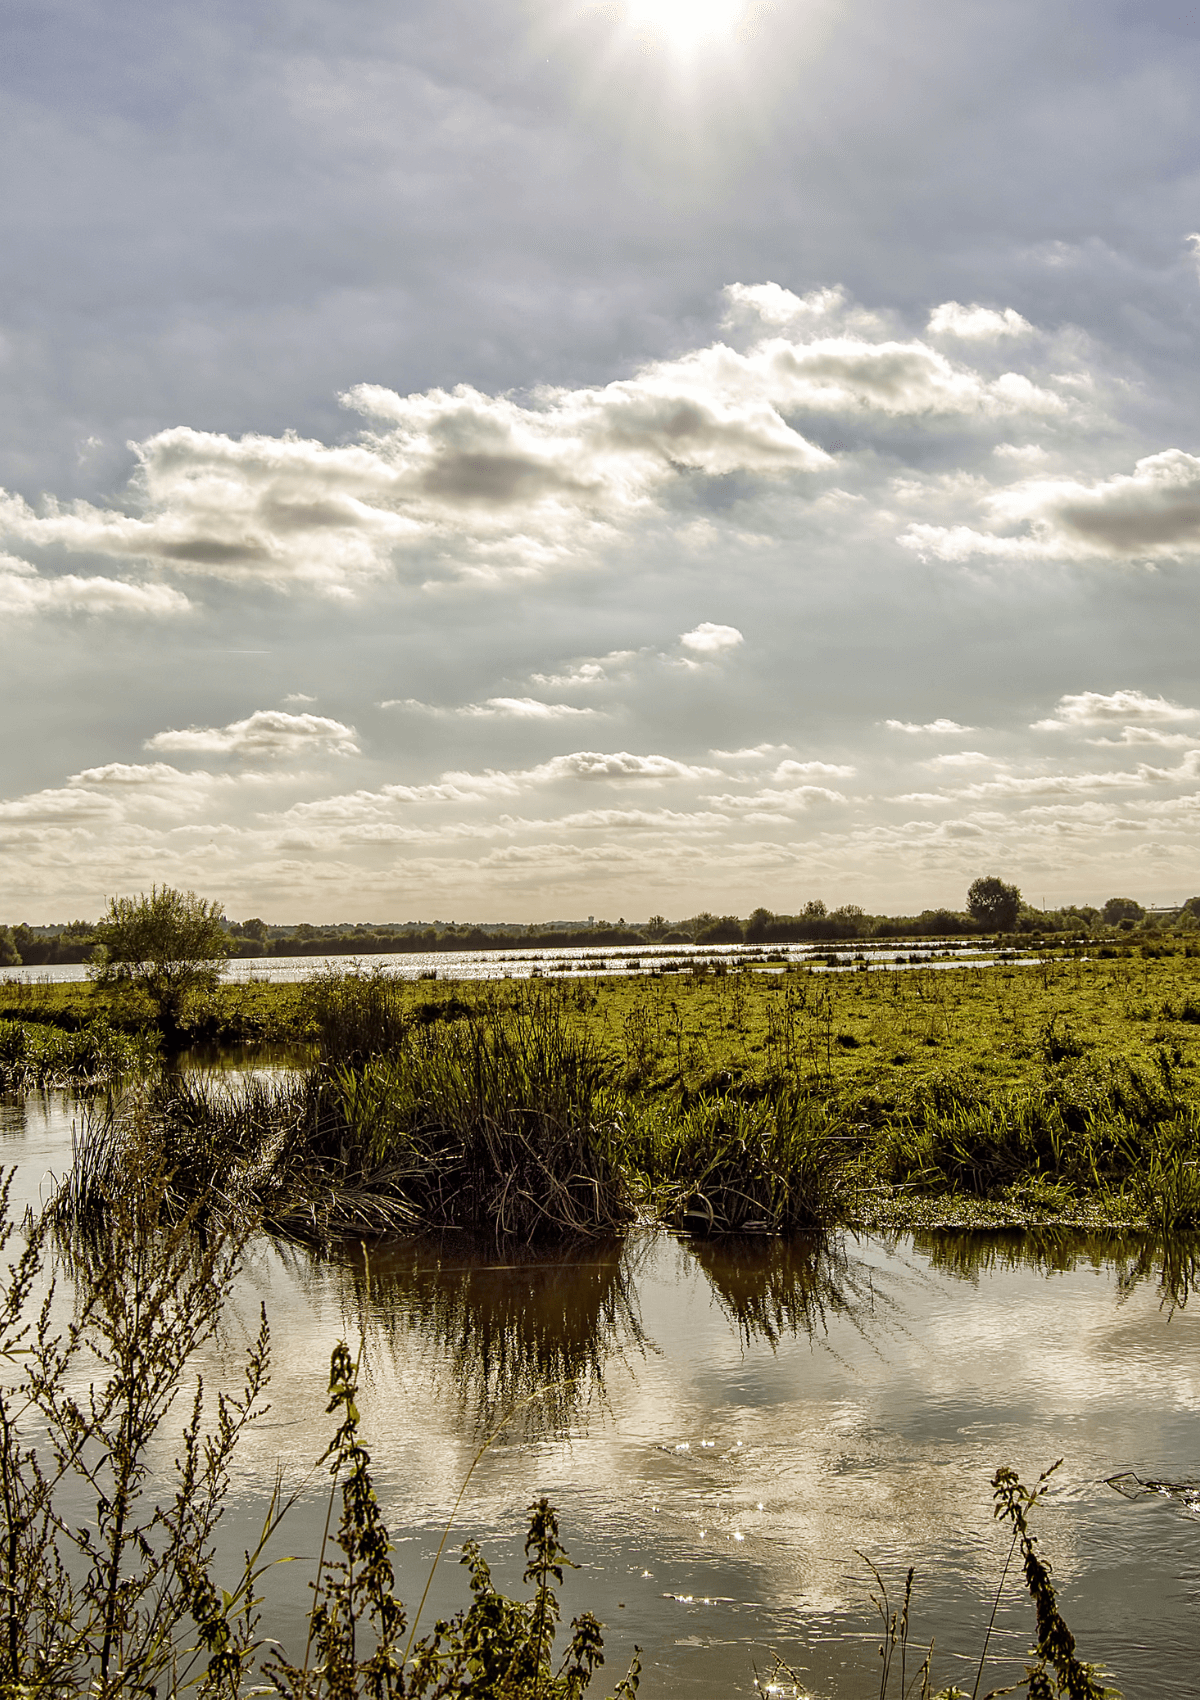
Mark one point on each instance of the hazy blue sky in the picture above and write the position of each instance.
(527, 458)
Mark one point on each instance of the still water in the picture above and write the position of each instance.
(525, 962)
(726, 1427)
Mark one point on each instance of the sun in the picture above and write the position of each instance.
(685, 24)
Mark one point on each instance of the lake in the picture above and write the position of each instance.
(725, 1427)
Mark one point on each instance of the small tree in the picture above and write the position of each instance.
(170, 944)
(993, 904)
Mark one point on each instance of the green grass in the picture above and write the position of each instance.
(744, 1101)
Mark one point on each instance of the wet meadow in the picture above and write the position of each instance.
(740, 1267)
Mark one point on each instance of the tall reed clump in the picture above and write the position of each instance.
(727, 1165)
(34, 1056)
(498, 1121)
(356, 1015)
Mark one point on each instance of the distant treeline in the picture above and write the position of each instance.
(25, 946)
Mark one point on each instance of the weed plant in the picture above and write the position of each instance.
(121, 1600)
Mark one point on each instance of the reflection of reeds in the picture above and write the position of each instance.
(1173, 1260)
(773, 1288)
(503, 1326)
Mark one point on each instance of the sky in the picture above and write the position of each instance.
(527, 459)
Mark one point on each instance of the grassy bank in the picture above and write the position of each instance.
(721, 1102)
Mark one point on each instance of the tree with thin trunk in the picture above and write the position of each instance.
(170, 944)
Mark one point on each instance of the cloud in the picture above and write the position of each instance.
(266, 732)
(756, 752)
(592, 670)
(940, 727)
(1150, 514)
(961, 758)
(587, 766)
(1128, 707)
(462, 481)
(524, 708)
(298, 696)
(764, 805)
(23, 591)
(620, 768)
(769, 306)
(975, 323)
(811, 769)
(495, 708)
(710, 639)
(1048, 784)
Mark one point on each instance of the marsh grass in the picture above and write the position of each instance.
(499, 1122)
(727, 1165)
(36, 1056)
(737, 1103)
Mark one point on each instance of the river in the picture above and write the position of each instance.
(729, 1426)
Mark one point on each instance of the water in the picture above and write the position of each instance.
(728, 1426)
(524, 962)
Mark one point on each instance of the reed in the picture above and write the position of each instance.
(728, 1165)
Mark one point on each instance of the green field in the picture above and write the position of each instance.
(723, 1100)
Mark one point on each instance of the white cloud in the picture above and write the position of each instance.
(592, 670)
(792, 770)
(461, 481)
(266, 732)
(756, 752)
(523, 708)
(941, 727)
(24, 591)
(765, 804)
(1049, 784)
(975, 323)
(1150, 514)
(1020, 451)
(494, 708)
(298, 696)
(961, 758)
(768, 305)
(710, 639)
(1128, 707)
(619, 768)
(589, 766)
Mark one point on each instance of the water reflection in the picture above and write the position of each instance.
(1173, 1261)
(772, 1289)
(520, 1335)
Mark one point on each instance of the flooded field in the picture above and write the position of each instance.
(529, 962)
(730, 1429)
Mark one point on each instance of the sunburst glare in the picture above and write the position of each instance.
(685, 24)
